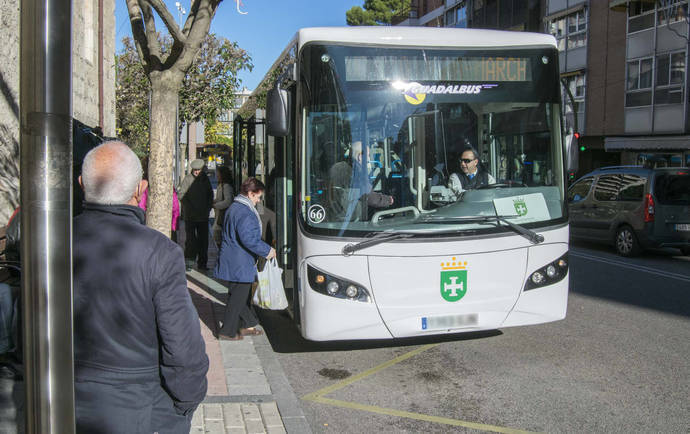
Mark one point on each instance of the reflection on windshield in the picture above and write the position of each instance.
(378, 158)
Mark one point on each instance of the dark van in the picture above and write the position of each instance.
(632, 208)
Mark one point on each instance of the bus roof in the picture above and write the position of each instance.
(423, 36)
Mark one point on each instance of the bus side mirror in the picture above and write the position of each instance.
(572, 153)
(277, 115)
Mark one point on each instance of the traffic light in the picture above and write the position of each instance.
(576, 136)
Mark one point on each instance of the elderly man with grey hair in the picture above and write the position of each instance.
(139, 359)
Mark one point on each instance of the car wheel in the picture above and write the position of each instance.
(626, 242)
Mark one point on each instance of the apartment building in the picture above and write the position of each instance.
(622, 63)
(655, 102)
(519, 15)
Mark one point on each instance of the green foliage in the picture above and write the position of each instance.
(208, 88)
(132, 99)
(219, 133)
(377, 12)
(210, 85)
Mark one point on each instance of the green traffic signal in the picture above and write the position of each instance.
(582, 148)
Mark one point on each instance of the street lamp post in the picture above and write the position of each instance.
(176, 175)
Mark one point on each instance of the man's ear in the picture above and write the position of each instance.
(81, 184)
(143, 185)
(139, 192)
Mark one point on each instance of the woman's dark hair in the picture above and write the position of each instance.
(251, 185)
(224, 174)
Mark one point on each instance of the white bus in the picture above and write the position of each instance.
(367, 126)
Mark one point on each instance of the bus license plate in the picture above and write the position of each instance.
(683, 227)
(449, 321)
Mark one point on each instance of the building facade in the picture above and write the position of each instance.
(655, 113)
(622, 63)
(93, 83)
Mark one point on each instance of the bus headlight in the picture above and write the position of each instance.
(351, 291)
(548, 274)
(332, 287)
(338, 287)
(551, 271)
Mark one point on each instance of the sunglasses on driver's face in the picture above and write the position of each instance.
(467, 160)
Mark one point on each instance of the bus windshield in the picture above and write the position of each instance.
(415, 139)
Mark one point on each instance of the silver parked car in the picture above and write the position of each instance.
(632, 208)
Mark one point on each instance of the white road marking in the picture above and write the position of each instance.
(624, 264)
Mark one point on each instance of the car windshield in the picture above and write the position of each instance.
(392, 136)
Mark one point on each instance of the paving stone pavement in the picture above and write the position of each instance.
(236, 418)
(248, 391)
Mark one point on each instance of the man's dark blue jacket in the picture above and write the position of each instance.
(139, 359)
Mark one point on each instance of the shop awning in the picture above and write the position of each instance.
(647, 143)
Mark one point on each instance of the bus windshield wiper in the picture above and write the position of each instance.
(532, 236)
(379, 238)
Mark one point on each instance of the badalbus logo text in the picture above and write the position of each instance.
(415, 93)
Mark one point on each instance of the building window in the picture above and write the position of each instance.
(640, 16)
(457, 16)
(638, 83)
(570, 31)
(670, 78)
(89, 32)
(676, 11)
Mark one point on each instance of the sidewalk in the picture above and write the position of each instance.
(248, 391)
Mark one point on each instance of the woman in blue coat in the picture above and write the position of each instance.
(240, 247)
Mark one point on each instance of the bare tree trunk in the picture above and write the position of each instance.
(164, 87)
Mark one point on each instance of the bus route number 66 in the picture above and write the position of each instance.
(316, 213)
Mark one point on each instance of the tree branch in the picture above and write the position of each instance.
(151, 35)
(198, 23)
(168, 20)
(139, 33)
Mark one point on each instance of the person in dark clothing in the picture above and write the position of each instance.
(349, 186)
(140, 362)
(472, 173)
(196, 194)
(224, 197)
(240, 247)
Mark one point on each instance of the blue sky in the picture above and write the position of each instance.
(263, 31)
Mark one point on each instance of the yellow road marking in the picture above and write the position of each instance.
(319, 396)
(416, 416)
(350, 380)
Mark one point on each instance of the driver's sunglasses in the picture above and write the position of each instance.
(467, 160)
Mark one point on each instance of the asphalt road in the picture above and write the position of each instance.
(619, 362)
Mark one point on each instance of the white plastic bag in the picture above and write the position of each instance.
(270, 293)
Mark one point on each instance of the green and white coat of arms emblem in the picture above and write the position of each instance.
(453, 281)
(520, 206)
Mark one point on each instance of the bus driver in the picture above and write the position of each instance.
(473, 174)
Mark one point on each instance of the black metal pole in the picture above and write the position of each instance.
(46, 196)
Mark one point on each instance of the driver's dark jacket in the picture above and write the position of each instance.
(136, 332)
(479, 179)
